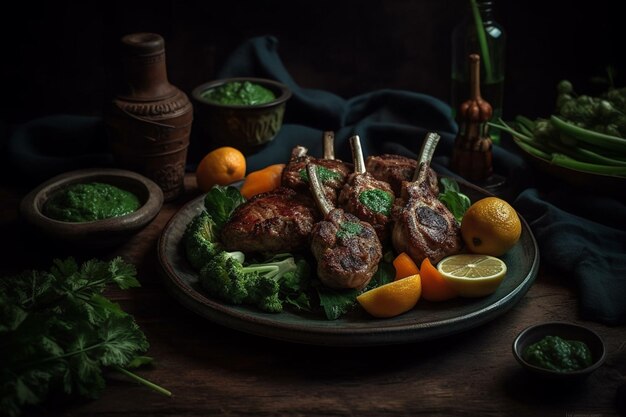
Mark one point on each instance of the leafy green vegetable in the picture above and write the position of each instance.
(453, 198)
(221, 201)
(266, 285)
(200, 240)
(57, 332)
(335, 302)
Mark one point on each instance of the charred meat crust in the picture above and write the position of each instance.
(395, 169)
(292, 176)
(424, 227)
(272, 222)
(349, 201)
(345, 261)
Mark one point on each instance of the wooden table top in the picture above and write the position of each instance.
(212, 370)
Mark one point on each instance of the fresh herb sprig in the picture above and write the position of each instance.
(58, 332)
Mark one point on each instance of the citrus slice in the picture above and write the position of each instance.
(392, 299)
(472, 275)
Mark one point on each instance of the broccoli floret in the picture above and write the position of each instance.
(262, 285)
(221, 277)
(200, 240)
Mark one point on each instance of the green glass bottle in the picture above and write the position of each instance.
(488, 40)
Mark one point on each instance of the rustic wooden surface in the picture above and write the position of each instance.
(213, 370)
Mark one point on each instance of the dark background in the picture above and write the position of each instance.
(62, 57)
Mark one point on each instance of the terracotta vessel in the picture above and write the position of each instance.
(149, 122)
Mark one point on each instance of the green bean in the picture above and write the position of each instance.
(532, 150)
(584, 155)
(526, 122)
(567, 162)
(589, 136)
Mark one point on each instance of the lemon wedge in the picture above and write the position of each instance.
(392, 299)
(473, 275)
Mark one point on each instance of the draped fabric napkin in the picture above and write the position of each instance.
(583, 237)
(576, 235)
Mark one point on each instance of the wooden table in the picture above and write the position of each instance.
(212, 370)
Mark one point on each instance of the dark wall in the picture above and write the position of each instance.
(60, 57)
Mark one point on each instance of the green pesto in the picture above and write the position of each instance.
(557, 354)
(349, 229)
(91, 201)
(378, 201)
(239, 94)
(323, 174)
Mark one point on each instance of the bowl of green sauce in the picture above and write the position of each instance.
(99, 207)
(241, 112)
(559, 350)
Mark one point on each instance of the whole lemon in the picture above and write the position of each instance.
(490, 227)
(221, 166)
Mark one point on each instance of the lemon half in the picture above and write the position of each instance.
(473, 275)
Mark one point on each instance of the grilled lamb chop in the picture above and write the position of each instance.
(347, 250)
(424, 227)
(366, 197)
(394, 169)
(333, 172)
(291, 176)
(277, 221)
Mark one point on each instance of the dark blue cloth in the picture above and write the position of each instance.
(582, 237)
(579, 235)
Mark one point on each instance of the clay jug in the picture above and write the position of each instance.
(149, 121)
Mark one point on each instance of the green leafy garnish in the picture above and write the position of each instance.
(349, 229)
(57, 332)
(378, 201)
(453, 198)
(221, 201)
(324, 174)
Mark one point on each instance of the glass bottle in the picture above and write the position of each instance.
(488, 42)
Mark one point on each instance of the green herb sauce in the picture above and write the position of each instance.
(378, 201)
(349, 229)
(323, 174)
(88, 202)
(239, 94)
(558, 354)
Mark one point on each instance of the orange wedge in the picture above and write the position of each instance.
(392, 299)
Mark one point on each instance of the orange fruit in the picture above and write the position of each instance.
(392, 299)
(434, 286)
(221, 166)
(473, 275)
(404, 265)
(490, 227)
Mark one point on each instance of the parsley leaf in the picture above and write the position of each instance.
(58, 332)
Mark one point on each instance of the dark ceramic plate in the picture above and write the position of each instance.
(426, 321)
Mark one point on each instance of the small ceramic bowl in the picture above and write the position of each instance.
(567, 331)
(104, 232)
(244, 127)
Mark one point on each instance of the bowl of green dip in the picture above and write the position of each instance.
(559, 350)
(241, 112)
(100, 207)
